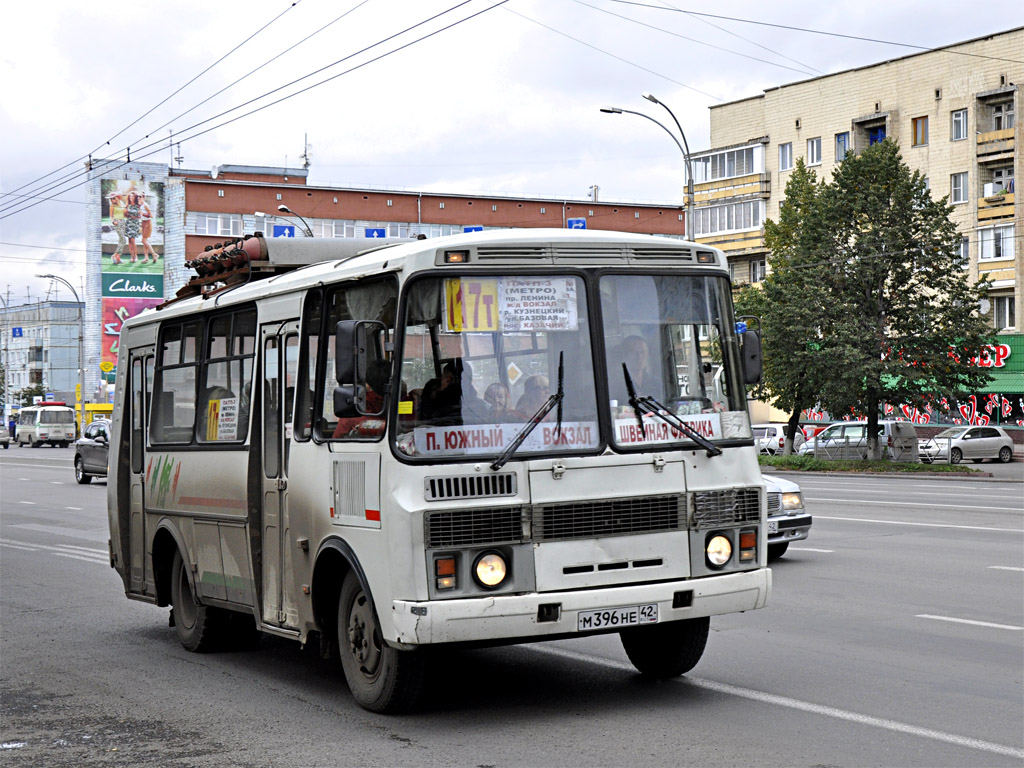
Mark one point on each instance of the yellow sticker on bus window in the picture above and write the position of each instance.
(471, 304)
(404, 407)
(212, 419)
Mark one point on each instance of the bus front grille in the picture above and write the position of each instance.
(473, 527)
(608, 517)
(735, 506)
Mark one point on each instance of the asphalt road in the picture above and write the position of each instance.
(895, 636)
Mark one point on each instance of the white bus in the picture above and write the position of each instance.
(498, 437)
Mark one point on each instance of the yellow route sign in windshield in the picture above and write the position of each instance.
(471, 304)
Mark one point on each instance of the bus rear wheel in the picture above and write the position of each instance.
(197, 625)
(382, 679)
(666, 650)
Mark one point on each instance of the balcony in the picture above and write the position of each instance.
(751, 185)
(995, 146)
(995, 207)
(736, 243)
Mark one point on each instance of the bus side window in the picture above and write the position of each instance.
(227, 377)
(312, 320)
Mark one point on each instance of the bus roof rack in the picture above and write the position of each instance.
(241, 260)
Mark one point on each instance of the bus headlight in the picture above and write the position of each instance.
(490, 570)
(718, 550)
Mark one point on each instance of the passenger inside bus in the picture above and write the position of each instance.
(372, 424)
(497, 398)
(452, 399)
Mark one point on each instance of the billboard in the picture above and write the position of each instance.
(131, 258)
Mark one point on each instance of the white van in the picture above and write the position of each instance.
(51, 423)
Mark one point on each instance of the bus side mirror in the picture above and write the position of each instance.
(750, 354)
(351, 339)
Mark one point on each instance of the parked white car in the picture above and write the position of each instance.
(848, 440)
(771, 438)
(975, 443)
(787, 519)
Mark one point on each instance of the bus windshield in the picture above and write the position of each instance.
(674, 336)
(481, 356)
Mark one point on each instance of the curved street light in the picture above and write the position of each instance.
(285, 209)
(685, 151)
(81, 358)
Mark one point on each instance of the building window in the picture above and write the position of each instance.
(389, 203)
(440, 205)
(785, 156)
(1005, 309)
(220, 193)
(724, 165)
(278, 195)
(965, 252)
(543, 210)
(959, 129)
(723, 218)
(958, 188)
(814, 151)
(995, 243)
(494, 207)
(876, 134)
(1002, 116)
(920, 129)
(1002, 181)
(842, 146)
(218, 224)
(757, 270)
(636, 214)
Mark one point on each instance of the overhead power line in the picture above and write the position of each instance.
(814, 31)
(145, 114)
(140, 153)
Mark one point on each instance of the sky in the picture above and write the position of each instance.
(454, 96)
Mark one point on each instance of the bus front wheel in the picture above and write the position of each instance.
(195, 624)
(381, 678)
(666, 650)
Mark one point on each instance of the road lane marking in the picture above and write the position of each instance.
(77, 509)
(83, 559)
(27, 502)
(804, 706)
(917, 504)
(99, 535)
(810, 549)
(56, 482)
(67, 550)
(921, 525)
(970, 621)
(1005, 568)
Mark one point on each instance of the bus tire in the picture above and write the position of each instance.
(80, 477)
(381, 678)
(666, 650)
(195, 624)
(775, 551)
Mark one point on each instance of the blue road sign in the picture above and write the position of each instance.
(576, 223)
(376, 232)
(284, 230)
(16, 333)
(472, 229)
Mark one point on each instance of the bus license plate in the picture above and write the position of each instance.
(773, 526)
(629, 616)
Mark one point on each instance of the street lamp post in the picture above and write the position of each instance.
(286, 209)
(81, 357)
(7, 364)
(685, 151)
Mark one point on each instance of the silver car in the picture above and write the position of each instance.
(975, 443)
(787, 519)
(91, 451)
(5, 437)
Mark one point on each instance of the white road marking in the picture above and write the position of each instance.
(809, 549)
(18, 546)
(917, 504)
(1005, 568)
(84, 559)
(99, 535)
(27, 502)
(920, 525)
(76, 509)
(804, 706)
(67, 550)
(56, 482)
(970, 621)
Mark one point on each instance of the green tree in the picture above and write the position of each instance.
(24, 396)
(899, 300)
(789, 300)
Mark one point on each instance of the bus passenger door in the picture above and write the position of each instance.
(280, 350)
(141, 361)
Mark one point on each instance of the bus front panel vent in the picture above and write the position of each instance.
(608, 517)
(734, 506)
(470, 486)
(475, 527)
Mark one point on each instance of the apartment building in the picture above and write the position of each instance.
(953, 111)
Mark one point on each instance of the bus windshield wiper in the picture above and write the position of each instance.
(537, 418)
(659, 411)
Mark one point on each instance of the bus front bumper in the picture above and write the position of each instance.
(512, 617)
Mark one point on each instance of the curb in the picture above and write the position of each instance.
(977, 476)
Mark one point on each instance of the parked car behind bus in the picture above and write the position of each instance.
(771, 438)
(848, 440)
(975, 443)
